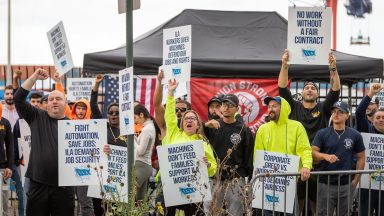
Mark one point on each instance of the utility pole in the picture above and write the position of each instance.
(8, 76)
(129, 63)
(333, 4)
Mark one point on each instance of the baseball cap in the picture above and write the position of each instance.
(217, 99)
(44, 98)
(231, 98)
(268, 99)
(341, 105)
(311, 83)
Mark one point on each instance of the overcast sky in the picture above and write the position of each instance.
(95, 25)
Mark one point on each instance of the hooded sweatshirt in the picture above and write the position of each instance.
(285, 136)
(175, 135)
(87, 113)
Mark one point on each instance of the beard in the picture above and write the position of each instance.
(9, 101)
(215, 117)
(309, 100)
(274, 117)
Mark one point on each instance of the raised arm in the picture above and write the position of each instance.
(170, 115)
(159, 109)
(361, 117)
(284, 92)
(96, 113)
(283, 76)
(25, 110)
(334, 75)
(59, 85)
(15, 80)
(39, 74)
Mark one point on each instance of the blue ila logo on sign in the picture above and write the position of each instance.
(272, 199)
(308, 54)
(187, 190)
(83, 173)
(110, 189)
(126, 121)
(63, 63)
(176, 71)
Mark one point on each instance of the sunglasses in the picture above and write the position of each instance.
(181, 109)
(113, 113)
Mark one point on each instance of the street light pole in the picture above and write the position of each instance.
(129, 63)
(9, 71)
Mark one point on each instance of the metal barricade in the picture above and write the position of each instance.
(317, 174)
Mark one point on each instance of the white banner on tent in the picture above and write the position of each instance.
(25, 143)
(115, 184)
(309, 35)
(78, 88)
(177, 53)
(183, 173)
(81, 150)
(271, 162)
(126, 101)
(374, 160)
(60, 48)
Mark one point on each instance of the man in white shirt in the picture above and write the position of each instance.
(9, 110)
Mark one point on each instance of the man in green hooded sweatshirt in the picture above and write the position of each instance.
(283, 135)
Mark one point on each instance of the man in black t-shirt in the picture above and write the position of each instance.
(233, 144)
(45, 197)
(312, 114)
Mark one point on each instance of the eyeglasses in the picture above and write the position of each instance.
(113, 113)
(229, 105)
(190, 118)
(181, 109)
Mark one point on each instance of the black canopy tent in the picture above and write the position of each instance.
(230, 44)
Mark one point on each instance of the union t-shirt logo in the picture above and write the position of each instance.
(315, 114)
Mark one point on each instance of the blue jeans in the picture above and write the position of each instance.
(19, 189)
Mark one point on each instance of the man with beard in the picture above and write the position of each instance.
(9, 110)
(214, 106)
(312, 114)
(284, 135)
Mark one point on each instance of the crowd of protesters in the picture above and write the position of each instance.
(315, 131)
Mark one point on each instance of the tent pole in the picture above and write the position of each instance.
(129, 63)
